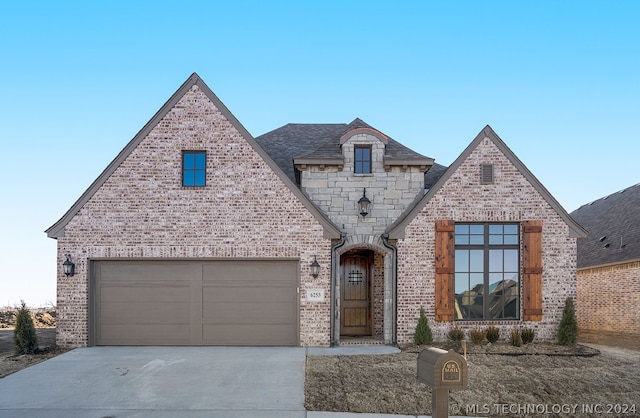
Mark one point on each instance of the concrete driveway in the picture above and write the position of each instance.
(106, 382)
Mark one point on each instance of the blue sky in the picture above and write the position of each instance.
(559, 81)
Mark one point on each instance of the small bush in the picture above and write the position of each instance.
(423, 334)
(515, 339)
(477, 335)
(527, 334)
(493, 334)
(568, 331)
(25, 340)
(455, 334)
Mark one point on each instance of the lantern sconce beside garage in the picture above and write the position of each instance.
(68, 267)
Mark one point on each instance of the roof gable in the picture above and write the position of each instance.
(57, 229)
(613, 223)
(397, 229)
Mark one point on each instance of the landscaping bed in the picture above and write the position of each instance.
(548, 379)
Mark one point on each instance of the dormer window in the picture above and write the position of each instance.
(362, 159)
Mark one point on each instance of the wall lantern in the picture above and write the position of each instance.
(364, 204)
(315, 268)
(68, 267)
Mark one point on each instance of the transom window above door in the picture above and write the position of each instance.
(194, 168)
(362, 159)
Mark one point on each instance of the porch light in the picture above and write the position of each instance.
(68, 267)
(364, 203)
(315, 268)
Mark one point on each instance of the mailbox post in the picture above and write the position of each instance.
(442, 370)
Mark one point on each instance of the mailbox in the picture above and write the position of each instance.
(442, 369)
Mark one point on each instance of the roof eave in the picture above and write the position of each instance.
(611, 264)
(318, 161)
(397, 161)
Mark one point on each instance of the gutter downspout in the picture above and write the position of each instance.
(335, 265)
(394, 279)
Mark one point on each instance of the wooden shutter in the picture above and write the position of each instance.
(532, 270)
(445, 250)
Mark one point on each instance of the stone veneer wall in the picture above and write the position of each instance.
(463, 199)
(336, 191)
(142, 211)
(609, 297)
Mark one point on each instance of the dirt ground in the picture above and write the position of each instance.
(537, 381)
(45, 322)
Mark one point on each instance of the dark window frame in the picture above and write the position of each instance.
(362, 164)
(493, 302)
(194, 171)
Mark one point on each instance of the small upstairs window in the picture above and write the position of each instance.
(362, 160)
(194, 168)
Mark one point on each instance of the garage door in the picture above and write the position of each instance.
(248, 302)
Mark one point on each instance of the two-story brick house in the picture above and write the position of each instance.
(200, 234)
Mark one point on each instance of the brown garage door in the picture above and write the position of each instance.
(234, 302)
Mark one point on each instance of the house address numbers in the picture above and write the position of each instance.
(315, 295)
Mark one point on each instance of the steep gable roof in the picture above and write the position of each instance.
(396, 230)
(57, 229)
(613, 223)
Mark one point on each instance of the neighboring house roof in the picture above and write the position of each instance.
(57, 229)
(396, 230)
(312, 143)
(613, 223)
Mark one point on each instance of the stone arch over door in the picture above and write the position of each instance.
(382, 282)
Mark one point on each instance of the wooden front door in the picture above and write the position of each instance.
(355, 295)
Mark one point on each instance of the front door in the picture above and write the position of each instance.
(355, 295)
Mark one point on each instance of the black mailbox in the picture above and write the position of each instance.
(442, 369)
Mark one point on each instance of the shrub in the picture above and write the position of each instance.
(423, 334)
(515, 339)
(477, 335)
(493, 334)
(568, 331)
(25, 340)
(527, 334)
(455, 334)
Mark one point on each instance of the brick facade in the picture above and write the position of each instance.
(462, 198)
(608, 298)
(248, 210)
(142, 211)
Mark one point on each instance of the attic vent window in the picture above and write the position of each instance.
(194, 168)
(486, 173)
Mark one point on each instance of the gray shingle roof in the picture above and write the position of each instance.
(295, 139)
(613, 223)
(319, 141)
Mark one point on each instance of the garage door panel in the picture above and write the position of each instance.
(220, 302)
(151, 334)
(148, 292)
(248, 313)
(146, 313)
(149, 270)
(215, 294)
(239, 334)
